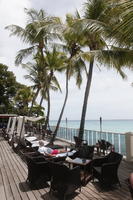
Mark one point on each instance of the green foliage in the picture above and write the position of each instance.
(8, 89)
(22, 99)
(37, 111)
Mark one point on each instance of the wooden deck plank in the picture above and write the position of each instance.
(2, 190)
(22, 171)
(8, 192)
(22, 176)
(12, 183)
(13, 173)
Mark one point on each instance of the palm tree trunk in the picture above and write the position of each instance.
(62, 110)
(41, 101)
(84, 108)
(48, 111)
(48, 95)
(33, 101)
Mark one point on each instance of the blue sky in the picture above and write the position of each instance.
(110, 96)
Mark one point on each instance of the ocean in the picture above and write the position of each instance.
(116, 126)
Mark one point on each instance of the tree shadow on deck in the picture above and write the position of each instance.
(2, 139)
(48, 196)
(25, 186)
(104, 188)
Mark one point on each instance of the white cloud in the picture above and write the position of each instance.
(59, 7)
(12, 12)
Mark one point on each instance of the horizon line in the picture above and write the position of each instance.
(88, 119)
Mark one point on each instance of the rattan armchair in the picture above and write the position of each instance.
(106, 169)
(104, 146)
(38, 170)
(79, 142)
(84, 151)
(64, 181)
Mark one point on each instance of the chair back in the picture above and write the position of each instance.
(58, 171)
(64, 180)
(114, 157)
(85, 151)
(38, 169)
(77, 141)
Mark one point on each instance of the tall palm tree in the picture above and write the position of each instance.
(36, 75)
(74, 65)
(94, 28)
(55, 63)
(39, 30)
(41, 79)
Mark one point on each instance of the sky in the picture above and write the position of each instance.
(110, 97)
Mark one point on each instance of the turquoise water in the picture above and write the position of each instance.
(118, 126)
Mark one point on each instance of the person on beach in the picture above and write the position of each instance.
(48, 151)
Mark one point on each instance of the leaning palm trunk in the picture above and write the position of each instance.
(41, 101)
(62, 110)
(48, 111)
(84, 108)
(33, 101)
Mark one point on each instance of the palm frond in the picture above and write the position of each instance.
(55, 81)
(23, 53)
(17, 31)
(116, 58)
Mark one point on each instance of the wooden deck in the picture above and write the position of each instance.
(13, 186)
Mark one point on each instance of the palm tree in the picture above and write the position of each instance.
(94, 28)
(36, 75)
(41, 79)
(39, 30)
(74, 65)
(55, 63)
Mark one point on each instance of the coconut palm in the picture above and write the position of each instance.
(36, 76)
(55, 61)
(39, 30)
(41, 79)
(94, 28)
(74, 65)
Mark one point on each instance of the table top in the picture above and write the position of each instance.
(79, 161)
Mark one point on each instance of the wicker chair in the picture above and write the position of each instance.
(105, 169)
(38, 170)
(64, 180)
(79, 142)
(104, 146)
(84, 151)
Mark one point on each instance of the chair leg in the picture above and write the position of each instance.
(93, 179)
